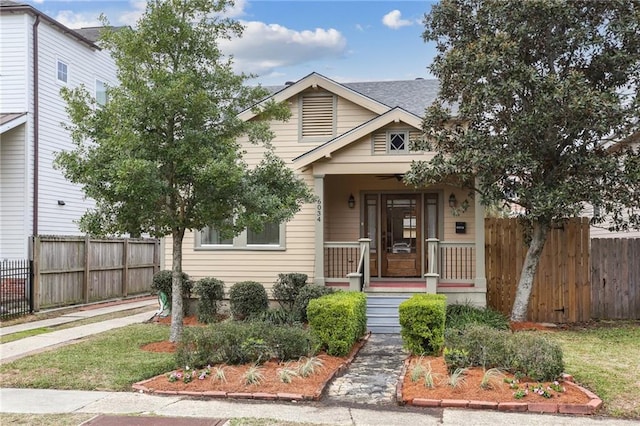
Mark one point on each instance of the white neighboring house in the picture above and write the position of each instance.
(38, 57)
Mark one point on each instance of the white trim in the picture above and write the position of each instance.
(68, 71)
(404, 151)
(13, 123)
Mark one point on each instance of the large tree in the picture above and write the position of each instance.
(544, 89)
(162, 155)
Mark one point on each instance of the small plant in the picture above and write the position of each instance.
(429, 378)
(520, 393)
(457, 378)
(491, 377)
(286, 373)
(542, 391)
(247, 298)
(456, 359)
(308, 366)
(557, 387)
(253, 375)
(219, 373)
(188, 374)
(417, 372)
(513, 383)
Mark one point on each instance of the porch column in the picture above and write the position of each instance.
(480, 281)
(318, 185)
(433, 275)
(365, 247)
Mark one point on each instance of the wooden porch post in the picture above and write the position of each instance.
(365, 246)
(318, 183)
(432, 276)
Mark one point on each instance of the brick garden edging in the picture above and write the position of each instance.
(281, 396)
(535, 407)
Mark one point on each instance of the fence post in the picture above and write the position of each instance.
(125, 267)
(85, 279)
(36, 273)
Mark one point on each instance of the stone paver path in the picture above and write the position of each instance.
(372, 377)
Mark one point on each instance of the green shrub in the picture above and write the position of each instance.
(456, 359)
(276, 316)
(461, 315)
(519, 353)
(210, 291)
(286, 288)
(248, 298)
(338, 320)
(162, 282)
(535, 356)
(233, 342)
(422, 320)
(307, 293)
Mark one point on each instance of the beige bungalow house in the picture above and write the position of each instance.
(368, 230)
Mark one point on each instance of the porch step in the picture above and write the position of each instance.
(382, 313)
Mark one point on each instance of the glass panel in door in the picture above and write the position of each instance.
(401, 240)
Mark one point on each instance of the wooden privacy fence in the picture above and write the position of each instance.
(615, 278)
(69, 270)
(561, 290)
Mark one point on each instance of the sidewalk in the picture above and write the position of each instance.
(122, 403)
(31, 345)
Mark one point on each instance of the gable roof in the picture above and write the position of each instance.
(394, 115)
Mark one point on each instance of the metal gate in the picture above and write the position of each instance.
(16, 287)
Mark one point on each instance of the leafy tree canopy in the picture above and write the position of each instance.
(163, 155)
(545, 90)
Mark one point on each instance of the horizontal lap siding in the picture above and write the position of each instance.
(85, 65)
(15, 34)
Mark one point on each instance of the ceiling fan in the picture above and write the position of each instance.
(396, 176)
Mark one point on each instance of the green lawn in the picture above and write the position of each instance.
(109, 361)
(606, 360)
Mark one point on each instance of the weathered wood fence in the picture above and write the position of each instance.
(615, 278)
(562, 285)
(70, 270)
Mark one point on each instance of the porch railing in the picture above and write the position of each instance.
(456, 262)
(340, 259)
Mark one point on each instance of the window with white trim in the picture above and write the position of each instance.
(270, 238)
(101, 92)
(317, 116)
(62, 71)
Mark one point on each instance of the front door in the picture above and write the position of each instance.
(400, 236)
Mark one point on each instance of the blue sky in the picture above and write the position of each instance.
(286, 40)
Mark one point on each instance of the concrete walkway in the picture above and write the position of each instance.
(46, 341)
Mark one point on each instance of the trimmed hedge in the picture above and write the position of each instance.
(307, 293)
(422, 320)
(338, 320)
(162, 282)
(210, 291)
(286, 288)
(247, 299)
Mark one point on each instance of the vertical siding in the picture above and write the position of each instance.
(13, 224)
(85, 65)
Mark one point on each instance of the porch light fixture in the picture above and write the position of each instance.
(352, 202)
(452, 200)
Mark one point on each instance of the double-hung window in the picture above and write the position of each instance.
(62, 71)
(101, 92)
(270, 238)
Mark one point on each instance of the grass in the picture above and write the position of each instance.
(606, 360)
(24, 334)
(108, 361)
(460, 316)
(44, 419)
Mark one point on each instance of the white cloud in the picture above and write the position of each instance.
(131, 17)
(394, 20)
(77, 20)
(265, 47)
(237, 10)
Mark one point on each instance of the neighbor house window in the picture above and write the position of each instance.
(397, 142)
(317, 116)
(62, 72)
(271, 237)
(101, 92)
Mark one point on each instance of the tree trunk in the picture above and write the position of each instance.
(176, 287)
(531, 261)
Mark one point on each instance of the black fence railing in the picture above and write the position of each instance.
(16, 288)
